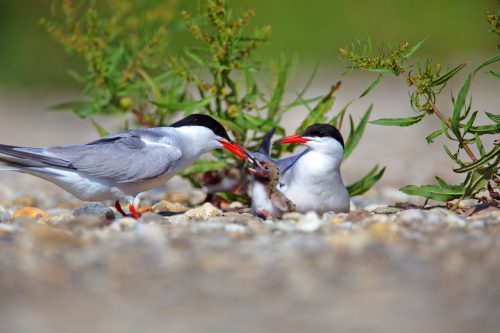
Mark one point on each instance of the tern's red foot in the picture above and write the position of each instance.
(132, 210)
(264, 213)
(119, 208)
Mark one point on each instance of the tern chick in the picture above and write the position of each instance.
(267, 200)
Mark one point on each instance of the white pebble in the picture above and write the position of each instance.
(310, 223)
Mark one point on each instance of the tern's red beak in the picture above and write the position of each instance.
(234, 148)
(293, 139)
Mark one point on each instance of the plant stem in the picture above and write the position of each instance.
(447, 122)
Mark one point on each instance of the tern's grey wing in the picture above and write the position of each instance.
(286, 163)
(124, 157)
(265, 145)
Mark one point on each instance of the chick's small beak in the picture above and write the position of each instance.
(234, 148)
(293, 139)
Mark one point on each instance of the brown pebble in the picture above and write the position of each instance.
(31, 212)
(25, 201)
(166, 206)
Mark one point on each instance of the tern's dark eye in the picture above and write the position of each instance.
(266, 167)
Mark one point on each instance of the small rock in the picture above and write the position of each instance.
(234, 228)
(176, 197)
(4, 214)
(25, 201)
(295, 216)
(31, 212)
(85, 223)
(386, 210)
(478, 224)
(166, 206)
(236, 205)
(372, 207)
(197, 197)
(125, 223)
(95, 209)
(153, 218)
(310, 223)
(411, 215)
(202, 212)
(347, 225)
(456, 221)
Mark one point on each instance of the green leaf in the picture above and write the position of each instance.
(444, 78)
(317, 115)
(234, 197)
(365, 183)
(494, 117)
(454, 157)
(441, 182)
(202, 166)
(356, 133)
(486, 129)
(470, 122)
(372, 86)
(434, 192)
(430, 138)
(480, 162)
(184, 106)
(401, 122)
(459, 105)
(414, 49)
(258, 124)
(479, 144)
(490, 61)
(279, 89)
(67, 106)
(101, 131)
(495, 74)
(338, 119)
(230, 124)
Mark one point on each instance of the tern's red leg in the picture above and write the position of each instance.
(264, 213)
(132, 210)
(119, 208)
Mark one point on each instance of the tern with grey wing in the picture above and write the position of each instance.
(120, 166)
(314, 182)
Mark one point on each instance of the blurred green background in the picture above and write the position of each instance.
(313, 29)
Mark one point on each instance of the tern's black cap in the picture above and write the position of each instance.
(324, 130)
(203, 120)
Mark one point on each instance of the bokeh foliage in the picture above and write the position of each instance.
(426, 82)
(129, 70)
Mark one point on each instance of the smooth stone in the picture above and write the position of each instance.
(310, 223)
(235, 228)
(31, 212)
(124, 224)
(25, 201)
(166, 206)
(204, 211)
(95, 209)
(4, 214)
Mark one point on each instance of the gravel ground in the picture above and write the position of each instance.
(378, 269)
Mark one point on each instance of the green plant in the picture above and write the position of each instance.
(426, 82)
(222, 76)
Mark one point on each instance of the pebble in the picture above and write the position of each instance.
(166, 206)
(310, 223)
(234, 228)
(372, 207)
(31, 212)
(96, 209)
(4, 214)
(124, 224)
(25, 201)
(204, 211)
